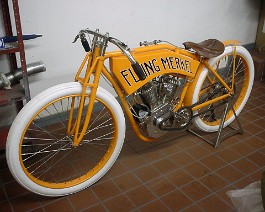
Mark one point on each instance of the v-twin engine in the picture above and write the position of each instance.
(154, 106)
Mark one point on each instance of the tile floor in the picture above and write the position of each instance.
(179, 172)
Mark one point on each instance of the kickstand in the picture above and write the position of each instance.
(218, 139)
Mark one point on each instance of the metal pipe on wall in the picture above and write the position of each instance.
(12, 77)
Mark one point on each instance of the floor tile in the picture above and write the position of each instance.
(6, 176)
(139, 145)
(169, 148)
(213, 203)
(146, 173)
(180, 178)
(245, 166)
(126, 151)
(130, 135)
(258, 111)
(242, 149)
(196, 190)
(14, 189)
(261, 135)
(256, 176)
(105, 190)
(2, 194)
(213, 162)
(243, 136)
(160, 186)
(257, 158)
(197, 170)
(243, 182)
(117, 169)
(60, 204)
(152, 154)
(155, 206)
(83, 199)
(176, 200)
(182, 158)
(211, 148)
(230, 141)
(25, 202)
(127, 181)
(255, 142)
(3, 163)
(96, 208)
(222, 194)
(249, 117)
(193, 208)
(5, 206)
(214, 182)
(197, 152)
(133, 161)
(230, 173)
(228, 155)
(119, 203)
(44, 200)
(165, 166)
(140, 196)
(260, 121)
(252, 128)
(185, 143)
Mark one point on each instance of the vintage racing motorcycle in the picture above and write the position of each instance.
(67, 137)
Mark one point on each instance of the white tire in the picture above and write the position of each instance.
(53, 156)
(244, 71)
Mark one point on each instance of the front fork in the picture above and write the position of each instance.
(74, 128)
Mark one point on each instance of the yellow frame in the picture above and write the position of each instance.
(95, 66)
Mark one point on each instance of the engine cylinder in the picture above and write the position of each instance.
(149, 94)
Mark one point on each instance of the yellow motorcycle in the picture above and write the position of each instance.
(67, 137)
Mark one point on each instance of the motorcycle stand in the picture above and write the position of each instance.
(218, 139)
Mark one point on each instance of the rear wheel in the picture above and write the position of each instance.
(40, 152)
(208, 87)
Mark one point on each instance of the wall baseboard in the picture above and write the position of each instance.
(249, 46)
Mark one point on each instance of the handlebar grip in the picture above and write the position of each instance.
(85, 44)
(139, 71)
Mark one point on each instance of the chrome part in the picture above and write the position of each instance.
(154, 42)
(149, 94)
(182, 117)
(168, 87)
(124, 48)
(156, 101)
(146, 43)
(13, 77)
(161, 113)
(177, 120)
(105, 39)
(105, 44)
(153, 131)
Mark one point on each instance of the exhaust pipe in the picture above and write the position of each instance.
(6, 80)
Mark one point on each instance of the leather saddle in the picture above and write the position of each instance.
(208, 49)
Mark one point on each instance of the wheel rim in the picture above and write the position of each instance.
(224, 67)
(46, 153)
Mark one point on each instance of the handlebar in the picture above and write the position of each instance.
(122, 46)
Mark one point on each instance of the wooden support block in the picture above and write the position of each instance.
(3, 135)
(259, 64)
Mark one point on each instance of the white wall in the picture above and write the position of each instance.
(130, 21)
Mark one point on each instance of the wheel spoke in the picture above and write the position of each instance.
(211, 115)
(47, 150)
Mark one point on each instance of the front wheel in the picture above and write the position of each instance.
(40, 152)
(208, 87)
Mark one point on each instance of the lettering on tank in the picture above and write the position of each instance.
(152, 66)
